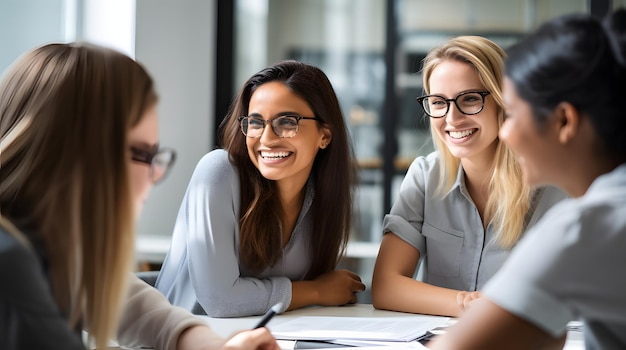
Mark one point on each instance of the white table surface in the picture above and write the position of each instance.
(227, 326)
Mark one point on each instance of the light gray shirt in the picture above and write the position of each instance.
(202, 271)
(455, 250)
(571, 266)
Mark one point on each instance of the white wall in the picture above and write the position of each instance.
(108, 23)
(26, 24)
(175, 40)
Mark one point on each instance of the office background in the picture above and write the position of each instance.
(201, 51)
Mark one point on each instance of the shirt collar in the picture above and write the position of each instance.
(460, 180)
(614, 178)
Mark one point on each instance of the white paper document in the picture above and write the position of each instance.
(386, 329)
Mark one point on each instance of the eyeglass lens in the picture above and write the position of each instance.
(283, 126)
(160, 162)
(467, 103)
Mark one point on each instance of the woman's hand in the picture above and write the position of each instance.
(465, 299)
(256, 339)
(203, 338)
(338, 287)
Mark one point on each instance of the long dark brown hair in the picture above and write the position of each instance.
(333, 174)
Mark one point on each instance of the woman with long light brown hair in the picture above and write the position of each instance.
(79, 154)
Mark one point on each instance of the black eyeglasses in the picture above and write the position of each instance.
(470, 103)
(160, 161)
(284, 126)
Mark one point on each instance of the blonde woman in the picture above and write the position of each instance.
(79, 154)
(462, 208)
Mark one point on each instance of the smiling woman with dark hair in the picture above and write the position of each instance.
(266, 219)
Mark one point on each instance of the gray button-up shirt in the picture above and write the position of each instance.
(455, 250)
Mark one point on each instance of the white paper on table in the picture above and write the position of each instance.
(286, 344)
(395, 346)
(393, 329)
(377, 344)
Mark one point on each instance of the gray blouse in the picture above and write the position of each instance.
(455, 250)
(202, 271)
(576, 269)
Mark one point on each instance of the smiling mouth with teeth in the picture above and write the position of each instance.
(275, 155)
(461, 134)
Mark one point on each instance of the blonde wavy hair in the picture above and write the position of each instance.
(509, 197)
(65, 112)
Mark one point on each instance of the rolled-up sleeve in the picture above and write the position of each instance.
(406, 217)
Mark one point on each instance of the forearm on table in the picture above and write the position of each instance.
(245, 296)
(488, 326)
(401, 293)
(303, 293)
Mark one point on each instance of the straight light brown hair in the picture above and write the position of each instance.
(65, 112)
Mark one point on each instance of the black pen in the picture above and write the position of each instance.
(268, 315)
(424, 339)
